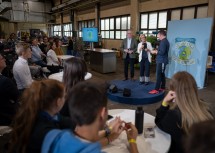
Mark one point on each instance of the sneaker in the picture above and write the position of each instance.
(141, 83)
(153, 92)
(146, 83)
(161, 90)
(132, 79)
(125, 79)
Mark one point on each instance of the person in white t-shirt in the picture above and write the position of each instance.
(21, 71)
(53, 64)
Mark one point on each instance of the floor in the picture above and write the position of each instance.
(207, 94)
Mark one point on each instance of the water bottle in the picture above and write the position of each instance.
(139, 114)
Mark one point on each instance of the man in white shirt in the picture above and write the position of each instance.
(21, 69)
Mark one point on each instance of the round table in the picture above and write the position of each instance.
(159, 144)
(139, 93)
(59, 76)
(64, 57)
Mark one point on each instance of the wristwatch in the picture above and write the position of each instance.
(107, 131)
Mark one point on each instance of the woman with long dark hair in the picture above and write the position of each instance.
(74, 72)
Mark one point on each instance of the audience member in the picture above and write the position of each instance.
(129, 47)
(161, 62)
(37, 54)
(21, 71)
(9, 97)
(144, 48)
(88, 109)
(53, 64)
(74, 72)
(37, 115)
(180, 109)
(44, 45)
(58, 49)
(70, 50)
(201, 138)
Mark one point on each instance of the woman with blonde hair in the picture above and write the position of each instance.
(180, 109)
(144, 48)
(38, 114)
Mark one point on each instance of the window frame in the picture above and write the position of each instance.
(114, 30)
(169, 13)
(85, 24)
(70, 29)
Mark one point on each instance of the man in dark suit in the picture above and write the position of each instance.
(129, 47)
(9, 97)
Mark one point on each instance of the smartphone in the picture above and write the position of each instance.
(149, 132)
(109, 117)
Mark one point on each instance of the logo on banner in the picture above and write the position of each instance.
(184, 48)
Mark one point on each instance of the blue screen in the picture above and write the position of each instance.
(90, 34)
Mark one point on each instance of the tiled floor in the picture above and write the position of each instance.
(207, 94)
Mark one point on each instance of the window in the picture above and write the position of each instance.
(115, 27)
(67, 30)
(57, 30)
(152, 22)
(202, 12)
(176, 14)
(85, 24)
(188, 13)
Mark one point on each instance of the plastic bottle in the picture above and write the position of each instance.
(139, 114)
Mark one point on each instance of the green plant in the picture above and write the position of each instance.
(152, 40)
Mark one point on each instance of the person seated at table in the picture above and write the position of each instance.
(89, 117)
(53, 63)
(21, 71)
(38, 114)
(180, 109)
(74, 72)
(58, 49)
(9, 96)
(201, 138)
(37, 54)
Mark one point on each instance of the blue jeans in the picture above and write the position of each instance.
(41, 63)
(144, 67)
(160, 76)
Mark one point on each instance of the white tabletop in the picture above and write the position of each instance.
(159, 144)
(64, 57)
(59, 76)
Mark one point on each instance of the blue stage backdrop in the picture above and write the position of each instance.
(189, 43)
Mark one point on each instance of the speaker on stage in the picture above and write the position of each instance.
(113, 88)
(126, 92)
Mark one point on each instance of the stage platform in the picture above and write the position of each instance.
(139, 93)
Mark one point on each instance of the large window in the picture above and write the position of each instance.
(115, 27)
(57, 30)
(67, 29)
(153, 21)
(85, 24)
